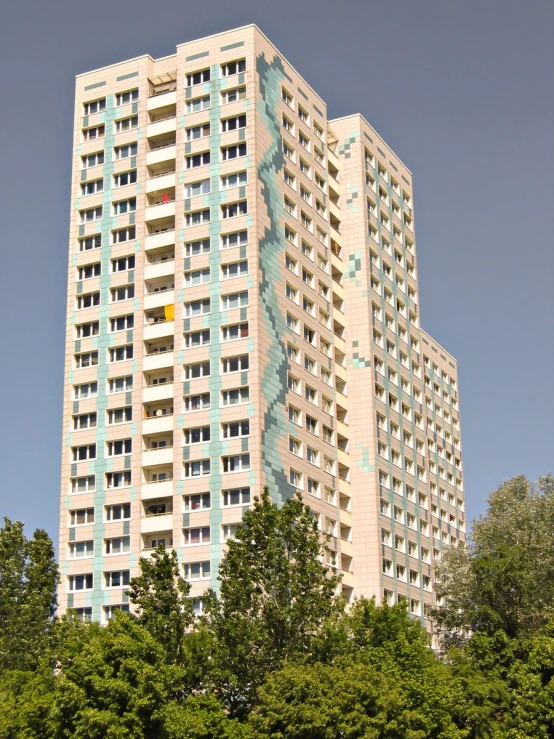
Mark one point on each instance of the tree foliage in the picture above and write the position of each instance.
(275, 597)
(278, 654)
(163, 605)
(28, 580)
(504, 579)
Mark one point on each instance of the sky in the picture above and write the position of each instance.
(460, 90)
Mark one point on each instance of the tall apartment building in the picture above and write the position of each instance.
(243, 311)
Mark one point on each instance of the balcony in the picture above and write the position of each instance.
(156, 457)
(151, 524)
(159, 294)
(160, 178)
(152, 541)
(158, 360)
(164, 267)
(346, 547)
(160, 391)
(162, 211)
(157, 328)
(160, 154)
(152, 490)
(157, 239)
(163, 125)
(153, 424)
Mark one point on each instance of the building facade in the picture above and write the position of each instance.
(243, 311)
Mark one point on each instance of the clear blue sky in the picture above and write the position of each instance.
(462, 91)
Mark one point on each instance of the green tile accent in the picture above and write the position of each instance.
(75, 406)
(71, 534)
(131, 275)
(197, 56)
(133, 162)
(241, 78)
(95, 85)
(83, 175)
(127, 76)
(318, 111)
(134, 108)
(232, 46)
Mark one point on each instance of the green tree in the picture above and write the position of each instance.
(504, 579)
(531, 684)
(161, 597)
(28, 579)
(275, 598)
(115, 686)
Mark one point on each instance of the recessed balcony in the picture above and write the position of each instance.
(153, 424)
(152, 524)
(161, 216)
(156, 457)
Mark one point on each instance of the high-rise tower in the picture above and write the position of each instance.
(243, 311)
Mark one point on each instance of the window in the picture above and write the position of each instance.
(235, 429)
(197, 188)
(295, 446)
(198, 132)
(295, 478)
(230, 240)
(120, 415)
(288, 125)
(90, 242)
(124, 206)
(85, 484)
(197, 217)
(289, 152)
(303, 115)
(197, 370)
(235, 463)
(121, 323)
(234, 123)
(230, 68)
(117, 579)
(306, 221)
(89, 188)
(292, 293)
(92, 160)
(117, 545)
(229, 531)
(305, 168)
(125, 178)
(91, 214)
(197, 104)
(108, 612)
(123, 234)
(289, 178)
(231, 96)
(126, 124)
(194, 248)
(287, 97)
(84, 421)
(125, 292)
(86, 390)
(294, 415)
(120, 384)
(118, 479)
(235, 364)
(234, 269)
(289, 206)
(293, 323)
(237, 396)
(197, 338)
(196, 435)
(198, 160)
(197, 277)
(231, 210)
(124, 98)
(96, 132)
(304, 141)
(80, 582)
(236, 496)
(291, 264)
(81, 516)
(126, 150)
(196, 570)
(290, 234)
(233, 152)
(85, 330)
(312, 456)
(197, 78)
(120, 447)
(83, 453)
(197, 502)
(311, 424)
(192, 536)
(197, 402)
(81, 549)
(234, 180)
(234, 300)
(234, 331)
